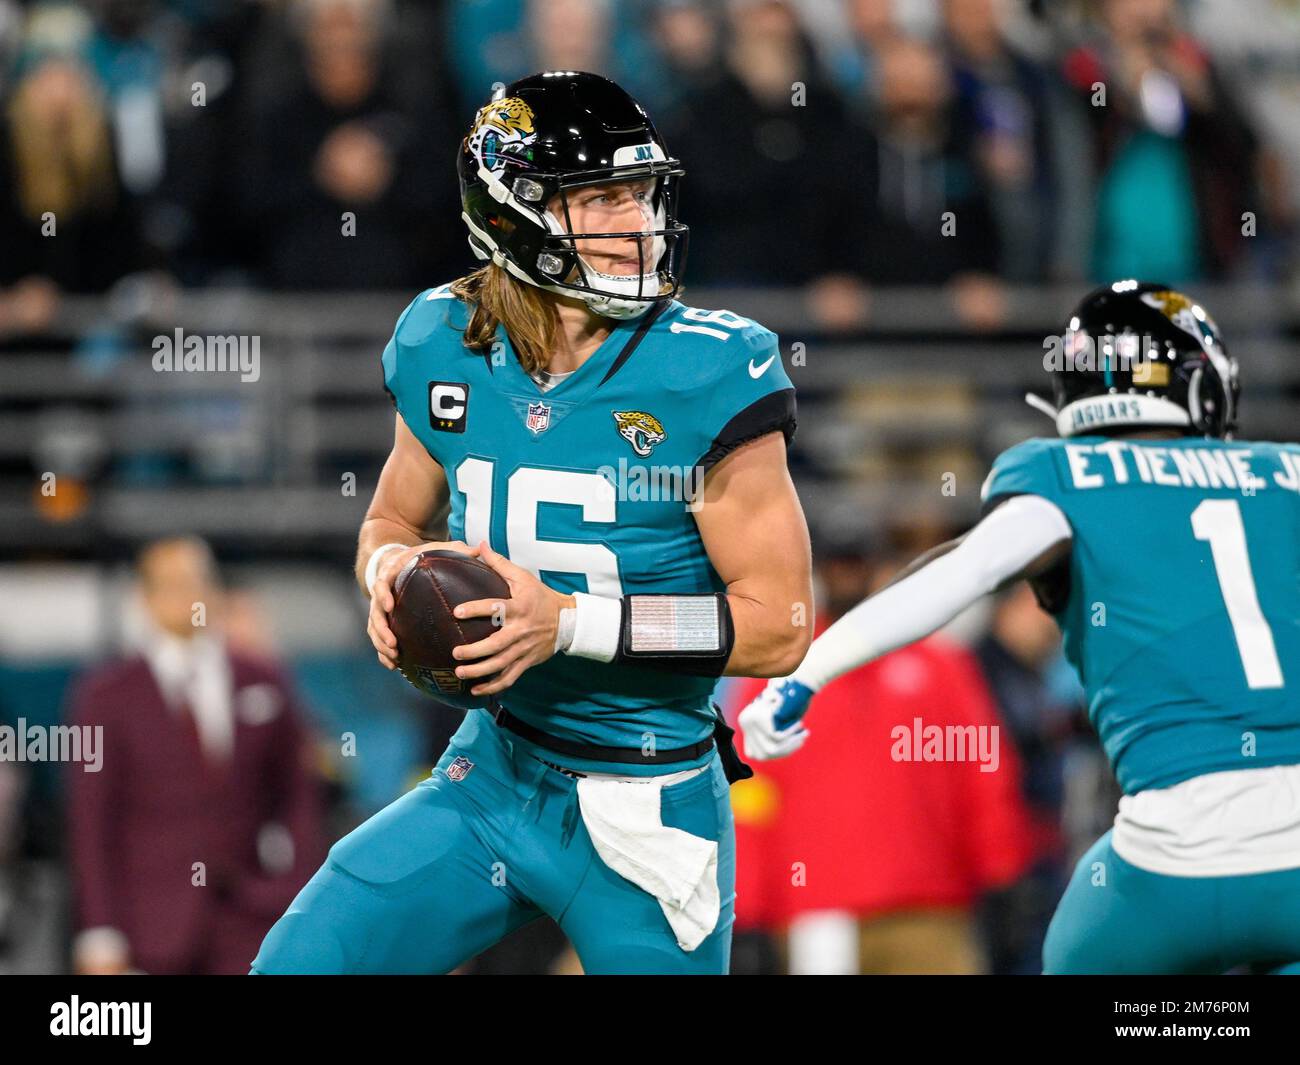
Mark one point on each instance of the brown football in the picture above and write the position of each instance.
(426, 591)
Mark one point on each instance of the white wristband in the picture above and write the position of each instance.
(372, 567)
(597, 627)
(564, 631)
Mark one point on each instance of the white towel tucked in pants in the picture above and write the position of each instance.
(622, 816)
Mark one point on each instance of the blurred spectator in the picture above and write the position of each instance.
(869, 862)
(569, 34)
(849, 42)
(203, 822)
(1017, 655)
(688, 33)
(11, 35)
(65, 216)
(1254, 44)
(128, 60)
(340, 143)
(191, 213)
(28, 307)
(1173, 157)
(1004, 100)
(762, 144)
(129, 112)
(499, 41)
(31, 891)
(925, 219)
(844, 572)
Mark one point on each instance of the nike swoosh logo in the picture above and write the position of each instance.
(758, 371)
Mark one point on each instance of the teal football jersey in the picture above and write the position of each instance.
(589, 484)
(1182, 614)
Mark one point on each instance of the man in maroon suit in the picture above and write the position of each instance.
(204, 818)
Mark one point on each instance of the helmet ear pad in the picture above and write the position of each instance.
(1212, 401)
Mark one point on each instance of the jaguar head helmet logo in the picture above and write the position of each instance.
(501, 128)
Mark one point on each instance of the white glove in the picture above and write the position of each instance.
(771, 723)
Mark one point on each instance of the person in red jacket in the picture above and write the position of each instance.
(203, 819)
(872, 845)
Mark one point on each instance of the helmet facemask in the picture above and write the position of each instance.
(580, 261)
(551, 255)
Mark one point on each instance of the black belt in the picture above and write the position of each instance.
(721, 737)
(595, 752)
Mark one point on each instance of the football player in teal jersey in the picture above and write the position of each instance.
(1169, 554)
(619, 459)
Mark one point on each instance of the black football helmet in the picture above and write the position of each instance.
(1138, 355)
(543, 137)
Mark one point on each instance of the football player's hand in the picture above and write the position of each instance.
(100, 954)
(772, 722)
(529, 622)
(382, 600)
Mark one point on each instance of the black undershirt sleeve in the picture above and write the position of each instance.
(774, 411)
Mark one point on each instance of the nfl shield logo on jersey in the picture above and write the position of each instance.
(539, 417)
(459, 768)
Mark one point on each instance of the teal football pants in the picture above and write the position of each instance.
(1117, 918)
(454, 865)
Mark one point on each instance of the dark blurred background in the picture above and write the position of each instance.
(911, 192)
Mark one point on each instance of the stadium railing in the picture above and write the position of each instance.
(263, 464)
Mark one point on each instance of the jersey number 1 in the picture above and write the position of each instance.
(1218, 522)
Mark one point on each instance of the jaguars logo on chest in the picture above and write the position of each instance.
(643, 431)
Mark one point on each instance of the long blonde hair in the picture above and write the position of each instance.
(65, 167)
(526, 312)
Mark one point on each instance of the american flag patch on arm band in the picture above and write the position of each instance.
(673, 625)
(689, 634)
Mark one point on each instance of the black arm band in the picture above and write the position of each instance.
(690, 634)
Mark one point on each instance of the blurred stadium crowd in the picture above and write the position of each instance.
(219, 142)
(200, 159)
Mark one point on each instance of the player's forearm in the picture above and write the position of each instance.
(411, 501)
(753, 529)
(894, 617)
(701, 634)
(377, 531)
(771, 639)
(1005, 545)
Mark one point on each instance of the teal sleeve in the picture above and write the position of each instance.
(1026, 469)
(750, 397)
(414, 327)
